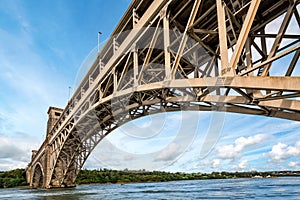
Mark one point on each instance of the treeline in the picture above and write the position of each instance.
(17, 177)
(126, 176)
(13, 178)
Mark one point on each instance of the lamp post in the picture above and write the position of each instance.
(99, 33)
(69, 92)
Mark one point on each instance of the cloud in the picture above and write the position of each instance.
(295, 165)
(206, 165)
(8, 149)
(243, 164)
(169, 153)
(228, 152)
(8, 164)
(15, 150)
(216, 163)
(235, 150)
(281, 152)
(15, 146)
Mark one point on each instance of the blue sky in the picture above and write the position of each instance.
(42, 46)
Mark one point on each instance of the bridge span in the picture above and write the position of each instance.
(172, 55)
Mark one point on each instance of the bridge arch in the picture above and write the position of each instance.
(38, 176)
(95, 123)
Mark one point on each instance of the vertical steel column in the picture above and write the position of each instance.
(166, 25)
(223, 38)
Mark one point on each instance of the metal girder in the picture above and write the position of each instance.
(185, 36)
(166, 30)
(258, 83)
(287, 52)
(279, 37)
(244, 33)
(226, 70)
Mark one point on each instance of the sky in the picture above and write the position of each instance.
(42, 47)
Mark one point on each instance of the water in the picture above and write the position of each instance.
(275, 188)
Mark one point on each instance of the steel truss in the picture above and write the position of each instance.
(181, 55)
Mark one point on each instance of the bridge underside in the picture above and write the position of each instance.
(37, 177)
(182, 55)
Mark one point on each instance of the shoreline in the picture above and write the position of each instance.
(17, 178)
(128, 183)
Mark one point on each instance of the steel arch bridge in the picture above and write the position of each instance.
(170, 55)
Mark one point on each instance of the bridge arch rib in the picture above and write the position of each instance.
(177, 55)
(118, 109)
(38, 176)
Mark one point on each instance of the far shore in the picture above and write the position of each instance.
(17, 178)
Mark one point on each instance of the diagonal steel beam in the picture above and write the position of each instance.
(271, 60)
(244, 34)
(185, 37)
(279, 37)
(293, 63)
(150, 51)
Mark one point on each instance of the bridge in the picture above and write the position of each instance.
(235, 56)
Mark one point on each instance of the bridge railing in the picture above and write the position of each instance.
(39, 153)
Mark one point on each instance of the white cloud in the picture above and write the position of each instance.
(15, 150)
(236, 150)
(216, 163)
(228, 152)
(281, 152)
(208, 165)
(8, 164)
(243, 164)
(294, 164)
(9, 150)
(169, 153)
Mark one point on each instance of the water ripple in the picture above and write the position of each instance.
(275, 188)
